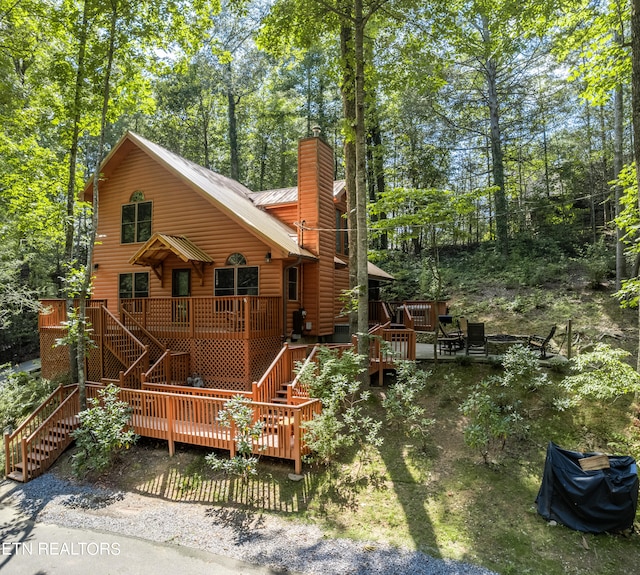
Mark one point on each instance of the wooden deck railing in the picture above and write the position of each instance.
(53, 312)
(425, 313)
(280, 372)
(156, 347)
(129, 350)
(187, 418)
(33, 452)
(232, 317)
(173, 367)
(379, 312)
(298, 391)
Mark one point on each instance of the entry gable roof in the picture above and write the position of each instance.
(159, 246)
(227, 195)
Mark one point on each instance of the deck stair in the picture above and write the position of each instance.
(35, 445)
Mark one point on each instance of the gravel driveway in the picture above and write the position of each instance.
(244, 535)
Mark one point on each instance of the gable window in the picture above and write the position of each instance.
(237, 278)
(136, 220)
(133, 285)
(292, 284)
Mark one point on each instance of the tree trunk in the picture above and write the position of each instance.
(618, 143)
(361, 189)
(82, 335)
(233, 128)
(71, 184)
(497, 161)
(635, 106)
(347, 89)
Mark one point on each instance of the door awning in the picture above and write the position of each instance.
(159, 246)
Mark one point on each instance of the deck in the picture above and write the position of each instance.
(173, 417)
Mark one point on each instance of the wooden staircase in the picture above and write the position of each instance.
(281, 394)
(32, 448)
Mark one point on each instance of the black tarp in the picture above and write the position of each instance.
(589, 501)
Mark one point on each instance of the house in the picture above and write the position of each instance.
(194, 269)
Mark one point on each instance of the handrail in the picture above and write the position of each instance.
(16, 456)
(125, 353)
(164, 369)
(156, 367)
(296, 389)
(134, 365)
(280, 372)
(259, 387)
(121, 325)
(57, 393)
(29, 425)
(143, 329)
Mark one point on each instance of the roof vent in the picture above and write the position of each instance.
(316, 131)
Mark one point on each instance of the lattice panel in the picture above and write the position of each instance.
(94, 369)
(221, 363)
(261, 353)
(54, 360)
(112, 365)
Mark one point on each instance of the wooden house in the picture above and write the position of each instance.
(197, 278)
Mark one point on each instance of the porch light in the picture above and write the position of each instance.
(267, 258)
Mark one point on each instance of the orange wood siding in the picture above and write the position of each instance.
(287, 213)
(316, 209)
(177, 210)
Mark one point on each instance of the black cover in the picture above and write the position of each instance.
(589, 501)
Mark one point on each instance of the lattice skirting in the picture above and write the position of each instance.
(228, 364)
(54, 360)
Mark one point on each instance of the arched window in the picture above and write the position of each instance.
(236, 259)
(237, 278)
(136, 219)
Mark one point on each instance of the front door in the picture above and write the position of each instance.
(180, 289)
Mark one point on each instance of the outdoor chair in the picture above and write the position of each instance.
(540, 344)
(449, 341)
(476, 340)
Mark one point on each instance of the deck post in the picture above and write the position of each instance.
(232, 441)
(170, 417)
(297, 455)
(254, 391)
(25, 466)
(7, 462)
(167, 367)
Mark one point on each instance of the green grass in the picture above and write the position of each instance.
(441, 500)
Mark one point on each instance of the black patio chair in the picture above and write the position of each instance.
(476, 341)
(540, 344)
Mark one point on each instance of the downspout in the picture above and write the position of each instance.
(285, 294)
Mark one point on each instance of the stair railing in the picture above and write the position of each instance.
(55, 429)
(133, 354)
(29, 425)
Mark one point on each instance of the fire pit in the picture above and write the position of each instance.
(498, 344)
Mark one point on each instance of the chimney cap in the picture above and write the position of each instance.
(316, 131)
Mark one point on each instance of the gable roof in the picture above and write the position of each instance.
(288, 195)
(159, 246)
(227, 195)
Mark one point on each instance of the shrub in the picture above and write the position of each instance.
(494, 407)
(342, 423)
(601, 374)
(239, 413)
(402, 402)
(103, 432)
(20, 394)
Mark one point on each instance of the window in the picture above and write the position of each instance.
(136, 220)
(237, 280)
(133, 285)
(292, 284)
